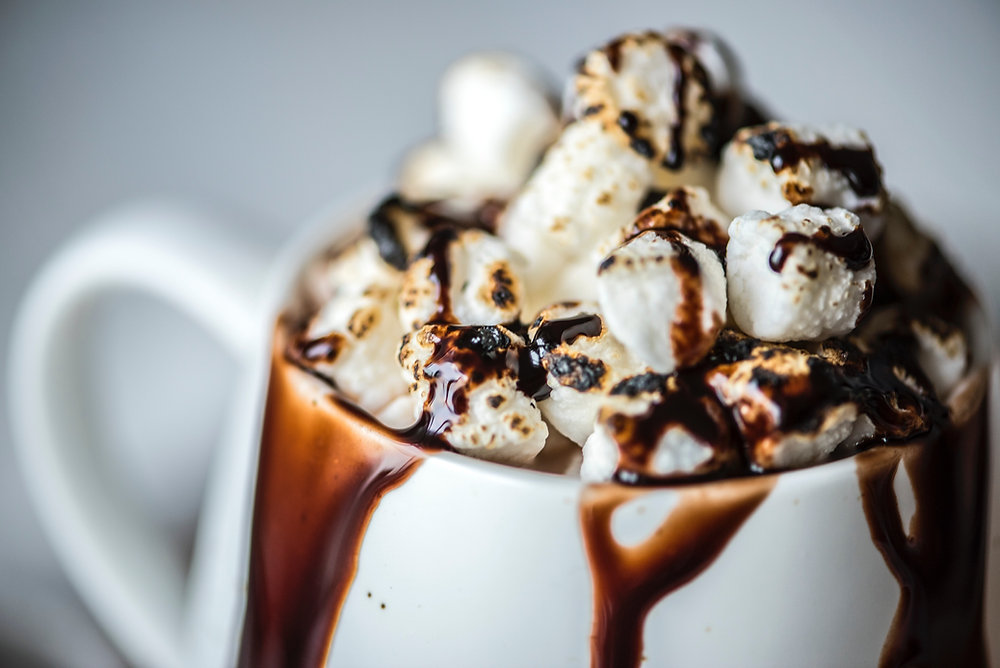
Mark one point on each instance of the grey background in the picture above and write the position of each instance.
(268, 112)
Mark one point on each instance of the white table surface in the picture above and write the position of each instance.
(273, 111)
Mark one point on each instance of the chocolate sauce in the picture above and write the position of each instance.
(674, 159)
(437, 250)
(551, 333)
(940, 561)
(687, 336)
(854, 247)
(629, 580)
(858, 165)
(388, 220)
(320, 477)
(324, 349)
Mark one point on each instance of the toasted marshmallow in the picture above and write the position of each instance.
(353, 338)
(664, 296)
(496, 117)
(804, 274)
(916, 268)
(466, 379)
(792, 408)
(586, 188)
(686, 209)
(655, 95)
(774, 166)
(938, 348)
(942, 353)
(582, 362)
(653, 427)
(463, 276)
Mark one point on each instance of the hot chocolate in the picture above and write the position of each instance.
(662, 292)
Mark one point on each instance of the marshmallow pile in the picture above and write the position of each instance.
(664, 279)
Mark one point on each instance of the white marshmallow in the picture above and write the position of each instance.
(496, 119)
(581, 367)
(785, 284)
(484, 285)
(353, 338)
(775, 166)
(587, 187)
(664, 296)
(638, 433)
(463, 378)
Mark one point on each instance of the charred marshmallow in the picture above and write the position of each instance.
(791, 407)
(466, 380)
(651, 427)
(463, 276)
(352, 339)
(582, 361)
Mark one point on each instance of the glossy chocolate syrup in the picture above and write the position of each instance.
(674, 159)
(940, 559)
(437, 250)
(858, 166)
(854, 247)
(320, 477)
(629, 580)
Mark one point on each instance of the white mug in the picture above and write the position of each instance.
(465, 562)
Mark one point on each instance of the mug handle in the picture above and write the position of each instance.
(127, 571)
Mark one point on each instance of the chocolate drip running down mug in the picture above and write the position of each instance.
(439, 559)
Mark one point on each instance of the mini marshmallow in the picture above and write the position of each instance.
(774, 166)
(916, 268)
(644, 431)
(353, 338)
(792, 408)
(654, 94)
(466, 380)
(482, 287)
(582, 362)
(804, 274)
(497, 117)
(938, 348)
(687, 209)
(941, 352)
(586, 188)
(664, 296)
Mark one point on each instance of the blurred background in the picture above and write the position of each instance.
(267, 113)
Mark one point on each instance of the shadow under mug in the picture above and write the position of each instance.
(463, 562)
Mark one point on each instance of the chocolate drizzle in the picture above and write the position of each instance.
(676, 215)
(437, 250)
(684, 401)
(674, 159)
(858, 165)
(320, 477)
(394, 222)
(940, 562)
(628, 581)
(853, 248)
